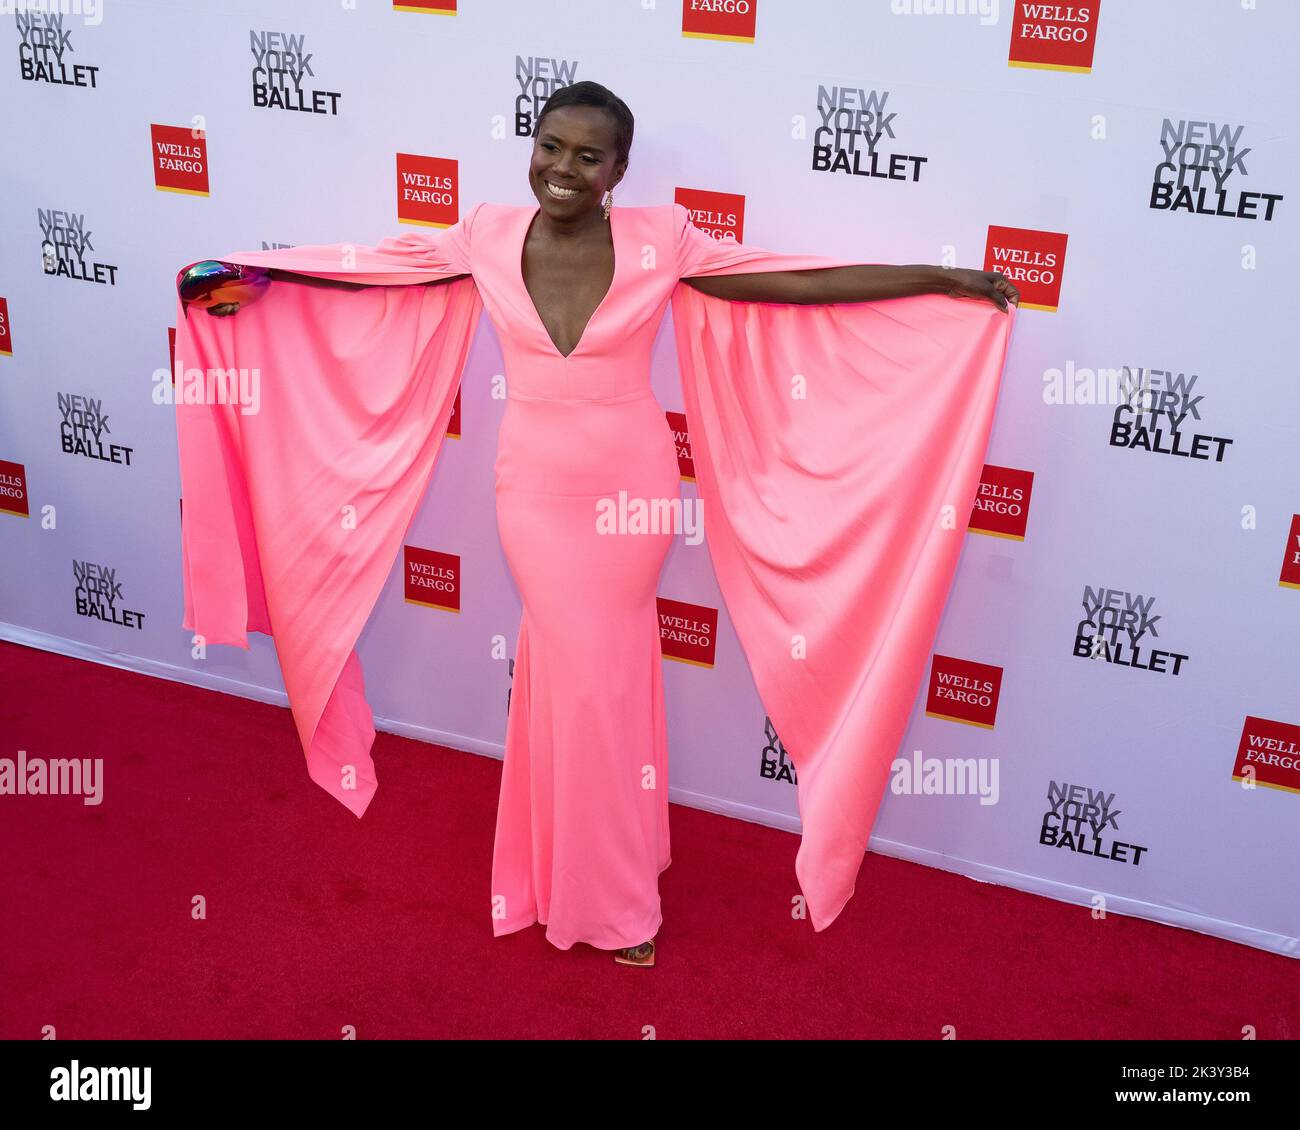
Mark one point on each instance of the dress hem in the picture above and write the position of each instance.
(511, 926)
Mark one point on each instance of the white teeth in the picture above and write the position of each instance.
(561, 193)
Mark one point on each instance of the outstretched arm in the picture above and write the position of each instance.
(225, 309)
(341, 284)
(864, 282)
(313, 280)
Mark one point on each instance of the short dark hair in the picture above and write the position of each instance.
(593, 94)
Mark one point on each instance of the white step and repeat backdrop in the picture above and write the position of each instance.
(1112, 717)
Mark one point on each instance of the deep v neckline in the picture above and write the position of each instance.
(519, 266)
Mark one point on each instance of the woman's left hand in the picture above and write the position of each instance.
(991, 285)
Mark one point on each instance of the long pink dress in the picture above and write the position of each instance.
(822, 515)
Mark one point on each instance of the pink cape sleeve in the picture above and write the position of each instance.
(838, 450)
(352, 393)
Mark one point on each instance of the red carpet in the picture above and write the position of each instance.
(317, 920)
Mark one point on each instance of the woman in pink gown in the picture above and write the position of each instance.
(576, 288)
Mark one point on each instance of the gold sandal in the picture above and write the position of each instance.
(644, 954)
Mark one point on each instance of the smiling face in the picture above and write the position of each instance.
(574, 161)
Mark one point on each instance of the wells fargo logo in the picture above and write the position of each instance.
(428, 190)
(687, 632)
(1054, 37)
(1002, 502)
(1033, 260)
(1269, 754)
(432, 578)
(962, 690)
(1290, 578)
(732, 20)
(682, 442)
(13, 489)
(6, 333)
(453, 425)
(180, 159)
(721, 214)
(428, 7)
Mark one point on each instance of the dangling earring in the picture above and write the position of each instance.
(609, 202)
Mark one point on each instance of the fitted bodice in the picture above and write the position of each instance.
(612, 358)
